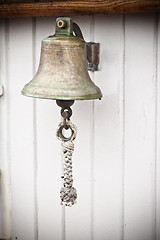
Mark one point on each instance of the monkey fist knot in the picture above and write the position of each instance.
(68, 196)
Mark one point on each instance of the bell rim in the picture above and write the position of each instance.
(89, 97)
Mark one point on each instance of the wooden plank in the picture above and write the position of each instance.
(78, 217)
(21, 129)
(158, 137)
(106, 220)
(50, 8)
(5, 188)
(108, 136)
(140, 103)
(48, 152)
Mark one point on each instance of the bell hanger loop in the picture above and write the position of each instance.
(77, 31)
(61, 24)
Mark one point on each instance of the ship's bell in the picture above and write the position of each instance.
(62, 72)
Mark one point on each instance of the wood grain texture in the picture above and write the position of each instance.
(50, 8)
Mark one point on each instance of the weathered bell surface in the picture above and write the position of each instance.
(62, 72)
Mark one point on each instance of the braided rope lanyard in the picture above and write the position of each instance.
(68, 193)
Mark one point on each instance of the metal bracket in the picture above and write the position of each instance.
(93, 56)
(92, 49)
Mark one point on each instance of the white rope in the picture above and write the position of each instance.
(68, 193)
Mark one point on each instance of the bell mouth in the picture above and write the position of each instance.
(97, 95)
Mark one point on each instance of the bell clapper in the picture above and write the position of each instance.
(68, 193)
(66, 111)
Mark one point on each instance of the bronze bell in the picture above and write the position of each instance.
(62, 75)
(62, 72)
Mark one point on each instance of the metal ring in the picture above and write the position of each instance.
(71, 127)
(68, 110)
(61, 23)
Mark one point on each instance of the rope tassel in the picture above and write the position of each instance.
(68, 193)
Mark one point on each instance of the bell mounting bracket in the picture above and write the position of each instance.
(65, 26)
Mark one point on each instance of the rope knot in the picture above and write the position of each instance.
(68, 193)
(68, 196)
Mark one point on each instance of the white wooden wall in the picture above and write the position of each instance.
(116, 162)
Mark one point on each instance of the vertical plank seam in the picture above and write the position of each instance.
(35, 133)
(122, 117)
(8, 132)
(155, 66)
(92, 135)
(63, 210)
(156, 130)
(63, 222)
